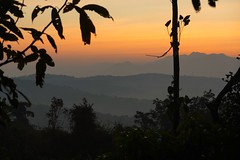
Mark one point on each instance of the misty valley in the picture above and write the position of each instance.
(133, 95)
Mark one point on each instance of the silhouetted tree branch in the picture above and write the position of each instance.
(228, 87)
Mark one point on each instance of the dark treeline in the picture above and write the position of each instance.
(75, 133)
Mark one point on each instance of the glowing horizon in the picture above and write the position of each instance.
(139, 29)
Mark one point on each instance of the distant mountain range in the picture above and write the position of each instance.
(142, 86)
(195, 64)
(116, 95)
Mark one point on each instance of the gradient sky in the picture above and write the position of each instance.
(138, 29)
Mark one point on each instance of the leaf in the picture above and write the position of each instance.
(196, 5)
(75, 2)
(186, 22)
(21, 64)
(168, 23)
(68, 8)
(42, 51)
(86, 26)
(52, 42)
(40, 72)
(180, 17)
(2, 29)
(57, 23)
(35, 12)
(212, 3)
(10, 37)
(46, 7)
(18, 3)
(16, 11)
(186, 18)
(46, 58)
(98, 9)
(34, 49)
(12, 27)
(20, 60)
(35, 33)
(31, 57)
(37, 9)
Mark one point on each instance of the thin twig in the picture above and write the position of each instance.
(149, 55)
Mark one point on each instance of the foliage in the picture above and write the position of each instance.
(230, 107)
(54, 113)
(161, 117)
(197, 136)
(11, 12)
(89, 138)
(82, 118)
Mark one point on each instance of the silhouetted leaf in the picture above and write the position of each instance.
(212, 3)
(86, 26)
(21, 64)
(51, 40)
(34, 49)
(57, 22)
(42, 51)
(46, 58)
(168, 23)
(186, 22)
(20, 60)
(37, 9)
(45, 7)
(16, 11)
(75, 2)
(18, 3)
(10, 37)
(180, 17)
(98, 9)
(40, 72)
(12, 27)
(2, 29)
(186, 18)
(35, 12)
(31, 57)
(35, 33)
(68, 8)
(196, 5)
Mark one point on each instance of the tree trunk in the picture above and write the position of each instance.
(176, 69)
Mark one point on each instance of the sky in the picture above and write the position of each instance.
(138, 29)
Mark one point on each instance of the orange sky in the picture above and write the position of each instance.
(139, 29)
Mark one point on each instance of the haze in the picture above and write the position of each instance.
(138, 29)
